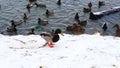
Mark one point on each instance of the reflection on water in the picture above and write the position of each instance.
(64, 15)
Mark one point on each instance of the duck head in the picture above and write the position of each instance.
(58, 31)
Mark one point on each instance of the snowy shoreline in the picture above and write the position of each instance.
(71, 51)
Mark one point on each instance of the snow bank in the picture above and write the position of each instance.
(71, 51)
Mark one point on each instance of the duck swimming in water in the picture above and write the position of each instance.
(12, 28)
(76, 17)
(104, 27)
(49, 13)
(51, 37)
(32, 31)
(41, 22)
(89, 4)
(59, 2)
(40, 5)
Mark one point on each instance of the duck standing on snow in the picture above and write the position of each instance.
(51, 37)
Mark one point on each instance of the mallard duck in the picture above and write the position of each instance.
(51, 37)
(41, 22)
(89, 4)
(104, 27)
(40, 5)
(32, 31)
(117, 29)
(59, 2)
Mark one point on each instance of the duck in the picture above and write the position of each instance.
(76, 17)
(41, 22)
(75, 29)
(12, 28)
(117, 30)
(59, 2)
(89, 4)
(0, 6)
(16, 23)
(28, 6)
(86, 10)
(32, 0)
(82, 23)
(25, 16)
(51, 37)
(101, 3)
(32, 31)
(40, 5)
(104, 27)
(49, 13)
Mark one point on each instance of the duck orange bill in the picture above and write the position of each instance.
(62, 33)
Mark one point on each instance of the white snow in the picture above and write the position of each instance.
(71, 51)
(110, 10)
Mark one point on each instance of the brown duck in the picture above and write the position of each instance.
(89, 4)
(75, 29)
(117, 30)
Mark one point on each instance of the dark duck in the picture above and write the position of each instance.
(51, 37)
(90, 5)
(76, 17)
(59, 2)
(101, 3)
(32, 0)
(28, 7)
(49, 13)
(12, 28)
(104, 27)
(32, 31)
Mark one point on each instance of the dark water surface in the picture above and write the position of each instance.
(64, 15)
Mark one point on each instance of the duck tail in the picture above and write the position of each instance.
(51, 45)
